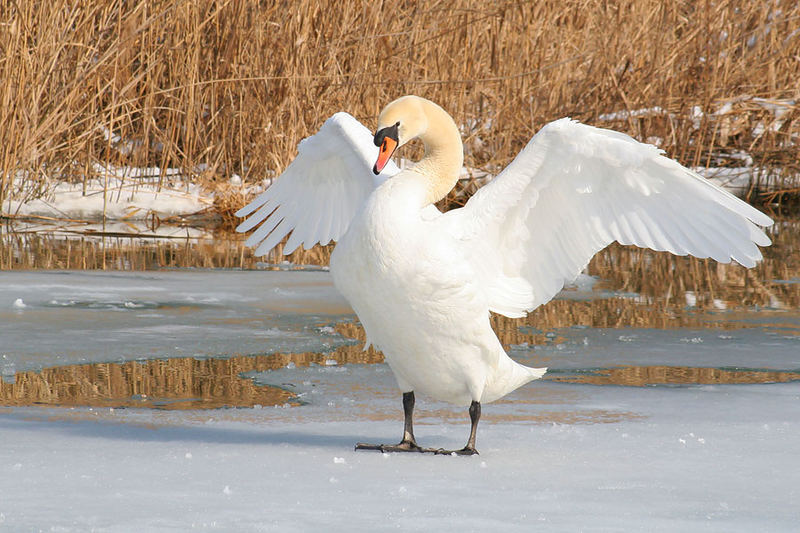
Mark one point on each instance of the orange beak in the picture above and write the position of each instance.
(388, 146)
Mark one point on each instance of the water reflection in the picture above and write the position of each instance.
(634, 288)
(660, 280)
(180, 383)
(161, 384)
(188, 383)
(641, 376)
(37, 247)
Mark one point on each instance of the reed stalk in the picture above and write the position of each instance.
(216, 88)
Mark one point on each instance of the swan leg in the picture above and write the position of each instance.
(474, 417)
(409, 443)
(469, 449)
(408, 419)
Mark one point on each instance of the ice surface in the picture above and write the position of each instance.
(709, 458)
(81, 317)
(774, 347)
(554, 456)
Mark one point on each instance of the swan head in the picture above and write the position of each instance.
(400, 121)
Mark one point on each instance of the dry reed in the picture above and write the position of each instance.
(215, 88)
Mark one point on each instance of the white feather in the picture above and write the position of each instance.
(573, 190)
(317, 196)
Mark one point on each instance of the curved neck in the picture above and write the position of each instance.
(444, 152)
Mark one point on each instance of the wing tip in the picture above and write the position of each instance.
(761, 219)
(244, 211)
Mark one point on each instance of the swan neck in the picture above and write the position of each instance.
(444, 153)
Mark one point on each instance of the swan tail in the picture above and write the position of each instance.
(509, 376)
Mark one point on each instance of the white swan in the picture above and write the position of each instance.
(422, 282)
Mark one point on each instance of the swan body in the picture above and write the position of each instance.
(419, 299)
(423, 282)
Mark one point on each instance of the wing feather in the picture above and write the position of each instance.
(267, 205)
(575, 189)
(319, 193)
(326, 230)
(274, 238)
(266, 228)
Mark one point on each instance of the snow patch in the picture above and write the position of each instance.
(121, 197)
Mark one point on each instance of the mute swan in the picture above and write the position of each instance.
(423, 282)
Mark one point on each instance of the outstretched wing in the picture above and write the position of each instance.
(318, 194)
(574, 190)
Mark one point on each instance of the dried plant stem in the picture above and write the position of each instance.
(216, 88)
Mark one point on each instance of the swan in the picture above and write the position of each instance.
(423, 282)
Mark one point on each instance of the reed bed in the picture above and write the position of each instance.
(218, 88)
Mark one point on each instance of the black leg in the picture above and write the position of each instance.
(474, 417)
(408, 413)
(409, 443)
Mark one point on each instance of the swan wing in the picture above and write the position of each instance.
(575, 189)
(320, 192)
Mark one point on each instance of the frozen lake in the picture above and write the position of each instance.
(230, 400)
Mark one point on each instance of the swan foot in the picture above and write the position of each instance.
(404, 446)
(413, 447)
(466, 450)
(409, 443)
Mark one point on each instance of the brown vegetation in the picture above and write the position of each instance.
(215, 88)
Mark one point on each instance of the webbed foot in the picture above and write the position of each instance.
(403, 446)
(406, 446)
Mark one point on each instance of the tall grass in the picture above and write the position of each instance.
(222, 87)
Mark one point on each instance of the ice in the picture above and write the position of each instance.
(554, 455)
(744, 347)
(248, 473)
(115, 316)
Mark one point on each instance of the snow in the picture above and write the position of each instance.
(556, 456)
(625, 114)
(713, 458)
(740, 180)
(121, 197)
